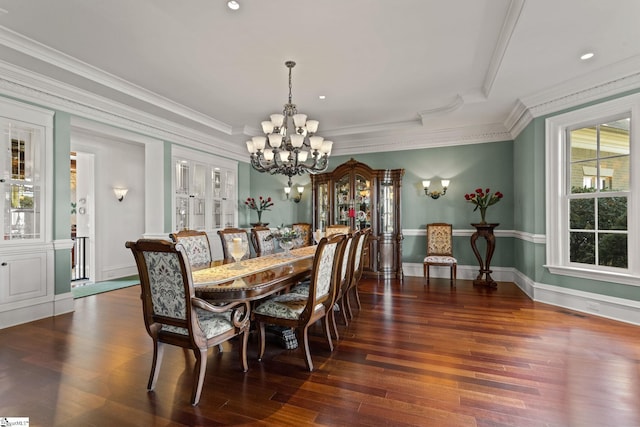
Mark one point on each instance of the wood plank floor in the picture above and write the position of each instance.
(414, 355)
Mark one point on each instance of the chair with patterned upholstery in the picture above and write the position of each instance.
(226, 237)
(261, 244)
(196, 243)
(304, 228)
(440, 249)
(345, 278)
(356, 271)
(299, 311)
(173, 315)
(336, 229)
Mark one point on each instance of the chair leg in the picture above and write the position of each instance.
(357, 294)
(334, 326)
(455, 272)
(243, 350)
(158, 352)
(261, 339)
(200, 370)
(326, 326)
(343, 309)
(305, 347)
(347, 303)
(426, 272)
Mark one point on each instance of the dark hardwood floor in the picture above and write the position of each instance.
(414, 355)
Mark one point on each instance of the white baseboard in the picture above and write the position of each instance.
(63, 303)
(622, 310)
(26, 314)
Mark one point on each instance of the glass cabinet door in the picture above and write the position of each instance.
(323, 206)
(197, 196)
(362, 214)
(343, 198)
(20, 181)
(387, 206)
(182, 195)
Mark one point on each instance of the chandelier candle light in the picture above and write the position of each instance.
(293, 149)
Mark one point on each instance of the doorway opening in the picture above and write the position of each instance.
(82, 219)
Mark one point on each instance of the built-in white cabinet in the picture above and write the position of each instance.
(26, 247)
(205, 191)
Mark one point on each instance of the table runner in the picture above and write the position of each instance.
(226, 272)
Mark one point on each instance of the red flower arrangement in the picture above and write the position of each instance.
(483, 199)
(260, 206)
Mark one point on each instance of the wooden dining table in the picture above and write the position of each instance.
(253, 278)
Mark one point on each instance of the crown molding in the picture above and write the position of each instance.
(26, 85)
(66, 62)
(423, 139)
(572, 94)
(508, 26)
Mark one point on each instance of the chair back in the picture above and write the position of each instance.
(439, 239)
(261, 245)
(167, 287)
(196, 244)
(304, 228)
(325, 274)
(346, 267)
(226, 237)
(336, 229)
(358, 256)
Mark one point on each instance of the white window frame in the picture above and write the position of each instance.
(557, 206)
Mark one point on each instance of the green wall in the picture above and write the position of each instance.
(467, 166)
(62, 199)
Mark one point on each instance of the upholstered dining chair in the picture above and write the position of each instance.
(304, 228)
(196, 243)
(173, 315)
(299, 311)
(341, 288)
(336, 229)
(356, 271)
(440, 249)
(262, 245)
(226, 237)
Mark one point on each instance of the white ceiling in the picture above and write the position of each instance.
(401, 67)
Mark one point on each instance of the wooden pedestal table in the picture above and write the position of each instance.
(486, 231)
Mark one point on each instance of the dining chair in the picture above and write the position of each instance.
(299, 311)
(262, 245)
(226, 237)
(440, 249)
(304, 228)
(196, 243)
(174, 315)
(336, 229)
(341, 288)
(356, 272)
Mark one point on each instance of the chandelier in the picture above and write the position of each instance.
(293, 149)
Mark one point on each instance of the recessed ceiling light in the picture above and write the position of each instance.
(233, 5)
(322, 97)
(586, 56)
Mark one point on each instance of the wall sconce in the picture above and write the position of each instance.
(287, 191)
(435, 194)
(120, 193)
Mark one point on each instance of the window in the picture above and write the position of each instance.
(592, 192)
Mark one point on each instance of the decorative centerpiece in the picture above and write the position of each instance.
(259, 206)
(286, 238)
(482, 200)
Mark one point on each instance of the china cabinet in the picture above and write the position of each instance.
(205, 194)
(361, 197)
(26, 249)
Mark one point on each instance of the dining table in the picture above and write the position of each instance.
(254, 278)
